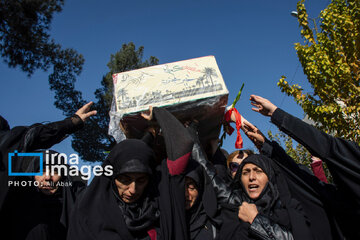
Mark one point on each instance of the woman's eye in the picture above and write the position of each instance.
(124, 180)
(141, 181)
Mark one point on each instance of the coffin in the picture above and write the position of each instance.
(189, 89)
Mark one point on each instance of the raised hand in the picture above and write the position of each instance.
(262, 105)
(148, 115)
(253, 133)
(84, 112)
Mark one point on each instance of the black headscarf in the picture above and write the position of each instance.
(10, 140)
(101, 213)
(204, 208)
(4, 125)
(268, 202)
(134, 156)
(275, 201)
(196, 215)
(40, 216)
(131, 155)
(32, 164)
(67, 195)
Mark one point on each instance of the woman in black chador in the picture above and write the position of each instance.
(331, 208)
(140, 202)
(31, 212)
(137, 201)
(30, 138)
(122, 206)
(200, 204)
(40, 210)
(267, 210)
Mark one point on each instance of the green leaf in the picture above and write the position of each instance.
(238, 96)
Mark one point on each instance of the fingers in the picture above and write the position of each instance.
(85, 108)
(251, 134)
(84, 113)
(89, 114)
(255, 109)
(243, 120)
(257, 106)
(249, 125)
(148, 116)
(257, 99)
(249, 130)
(187, 123)
(253, 99)
(246, 128)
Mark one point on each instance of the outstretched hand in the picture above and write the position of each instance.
(262, 105)
(84, 112)
(253, 133)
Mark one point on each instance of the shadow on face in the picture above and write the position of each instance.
(47, 183)
(131, 186)
(191, 192)
(236, 161)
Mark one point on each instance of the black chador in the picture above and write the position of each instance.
(159, 213)
(32, 213)
(330, 208)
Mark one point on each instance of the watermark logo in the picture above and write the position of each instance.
(58, 164)
(15, 156)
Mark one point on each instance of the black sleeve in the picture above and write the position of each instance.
(178, 141)
(321, 202)
(173, 222)
(219, 161)
(148, 138)
(304, 181)
(341, 156)
(41, 136)
(263, 228)
(233, 228)
(224, 194)
(274, 151)
(218, 158)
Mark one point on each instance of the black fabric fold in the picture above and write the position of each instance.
(27, 139)
(204, 210)
(329, 206)
(276, 202)
(40, 216)
(100, 213)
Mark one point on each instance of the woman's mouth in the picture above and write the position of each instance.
(253, 187)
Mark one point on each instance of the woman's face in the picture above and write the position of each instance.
(48, 184)
(235, 162)
(253, 179)
(131, 186)
(191, 192)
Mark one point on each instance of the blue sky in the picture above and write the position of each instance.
(252, 41)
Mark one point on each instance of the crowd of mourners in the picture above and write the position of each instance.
(195, 192)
